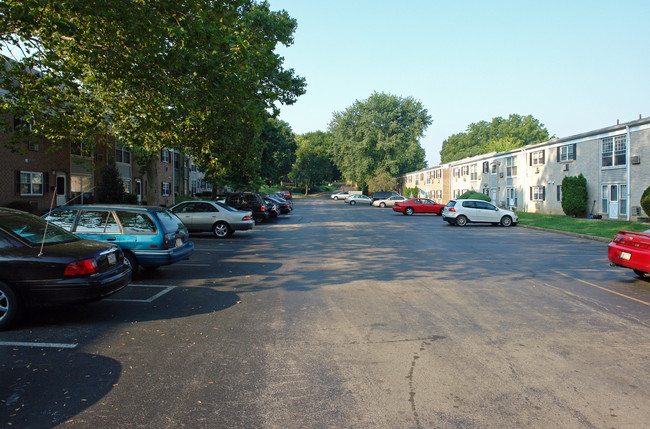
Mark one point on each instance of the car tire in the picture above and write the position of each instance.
(336, 198)
(382, 205)
(461, 221)
(10, 306)
(259, 219)
(506, 221)
(641, 274)
(408, 211)
(221, 230)
(131, 261)
(352, 203)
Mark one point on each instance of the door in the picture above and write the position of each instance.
(138, 190)
(613, 202)
(61, 189)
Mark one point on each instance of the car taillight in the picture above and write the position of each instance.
(166, 242)
(87, 266)
(248, 217)
(451, 209)
(263, 208)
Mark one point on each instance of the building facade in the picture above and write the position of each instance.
(615, 162)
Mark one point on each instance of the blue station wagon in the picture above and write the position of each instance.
(149, 236)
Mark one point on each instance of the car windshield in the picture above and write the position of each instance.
(35, 230)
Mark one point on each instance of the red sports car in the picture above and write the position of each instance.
(418, 205)
(631, 250)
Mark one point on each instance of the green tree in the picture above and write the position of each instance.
(110, 188)
(474, 196)
(279, 152)
(379, 135)
(645, 201)
(499, 135)
(313, 161)
(198, 76)
(574, 195)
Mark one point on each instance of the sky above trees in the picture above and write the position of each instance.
(575, 66)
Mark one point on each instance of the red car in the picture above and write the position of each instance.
(631, 250)
(287, 194)
(418, 205)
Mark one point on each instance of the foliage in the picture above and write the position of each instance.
(645, 201)
(379, 135)
(279, 151)
(499, 135)
(110, 188)
(198, 76)
(382, 181)
(130, 198)
(473, 195)
(23, 205)
(574, 195)
(313, 163)
(411, 192)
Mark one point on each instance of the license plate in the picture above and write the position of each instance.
(111, 258)
(626, 256)
(179, 242)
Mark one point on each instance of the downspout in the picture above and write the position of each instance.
(627, 155)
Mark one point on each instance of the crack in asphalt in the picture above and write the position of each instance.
(425, 342)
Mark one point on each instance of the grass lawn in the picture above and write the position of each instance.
(595, 227)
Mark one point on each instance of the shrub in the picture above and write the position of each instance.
(111, 188)
(23, 205)
(130, 199)
(645, 204)
(473, 195)
(411, 192)
(574, 195)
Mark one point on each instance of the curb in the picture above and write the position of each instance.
(571, 234)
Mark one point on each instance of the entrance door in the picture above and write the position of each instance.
(613, 202)
(61, 189)
(138, 190)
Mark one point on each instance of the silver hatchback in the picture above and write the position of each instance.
(460, 212)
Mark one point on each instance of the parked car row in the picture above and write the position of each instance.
(83, 253)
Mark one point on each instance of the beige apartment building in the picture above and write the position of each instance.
(615, 161)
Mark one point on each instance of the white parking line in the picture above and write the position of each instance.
(165, 290)
(49, 345)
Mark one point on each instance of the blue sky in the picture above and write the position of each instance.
(576, 66)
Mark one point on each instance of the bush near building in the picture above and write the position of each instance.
(473, 195)
(574, 195)
(645, 201)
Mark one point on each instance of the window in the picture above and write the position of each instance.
(473, 172)
(494, 168)
(122, 155)
(31, 183)
(511, 197)
(164, 156)
(80, 185)
(97, 221)
(614, 151)
(63, 218)
(537, 193)
(79, 149)
(465, 170)
(136, 223)
(622, 201)
(486, 167)
(604, 199)
(33, 146)
(566, 153)
(537, 158)
(166, 188)
(511, 166)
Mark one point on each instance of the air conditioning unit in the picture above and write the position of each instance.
(500, 174)
(536, 169)
(636, 159)
(565, 167)
(636, 211)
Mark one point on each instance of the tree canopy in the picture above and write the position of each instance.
(379, 136)
(313, 159)
(199, 76)
(279, 151)
(499, 135)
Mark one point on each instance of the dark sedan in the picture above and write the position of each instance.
(41, 263)
(418, 205)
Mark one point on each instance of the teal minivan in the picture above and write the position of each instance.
(149, 236)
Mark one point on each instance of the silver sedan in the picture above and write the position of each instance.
(212, 216)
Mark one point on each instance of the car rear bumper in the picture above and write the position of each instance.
(156, 258)
(638, 260)
(242, 226)
(79, 290)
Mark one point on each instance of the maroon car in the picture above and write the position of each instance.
(418, 205)
(631, 250)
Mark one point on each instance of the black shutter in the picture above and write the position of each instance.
(543, 193)
(530, 159)
(558, 154)
(17, 190)
(544, 157)
(531, 193)
(575, 155)
(46, 182)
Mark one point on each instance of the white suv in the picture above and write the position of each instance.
(460, 212)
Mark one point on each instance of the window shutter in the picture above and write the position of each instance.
(543, 157)
(531, 193)
(46, 182)
(575, 155)
(17, 190)
(162, 188)
(558, 154)
(530, 159)
(543, 193)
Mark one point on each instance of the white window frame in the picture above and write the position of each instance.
(537, 158)
(166, 189)
(537, 193)
(566, 153)
(29, 180)
(165, 156)
(511, 166)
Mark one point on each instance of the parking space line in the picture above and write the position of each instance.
(602, 288)
(48, 345)
(165, 290)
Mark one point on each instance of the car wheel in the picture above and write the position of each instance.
(440, 213)
(408, 211)
(131, 261)
(506, 221)
(10, 306)
(382, 205)
(221, 230)
(259, 219)
(352, 203)
(461, 221)
(336, 198)
(642, 274)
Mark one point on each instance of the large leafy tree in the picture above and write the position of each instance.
(499, 135)
(313, 160)
(198, 76)
(379, 136)
(279, 151)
